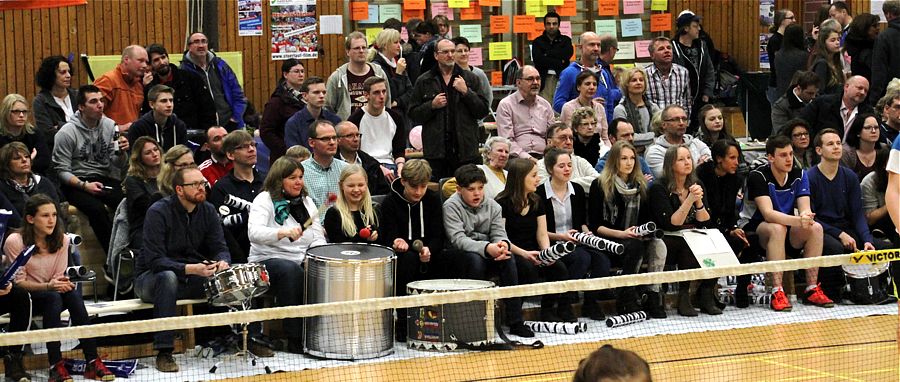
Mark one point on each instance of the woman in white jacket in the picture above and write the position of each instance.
(283, 224)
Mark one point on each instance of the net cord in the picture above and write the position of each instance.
(376, 304)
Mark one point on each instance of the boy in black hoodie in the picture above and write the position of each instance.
(413, 212)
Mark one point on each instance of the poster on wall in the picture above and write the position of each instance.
(766, 12)
(763, 53)
(250, 18)
(294, 29)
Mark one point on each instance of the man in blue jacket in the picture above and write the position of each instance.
(596, 54)
(183, 246)
(220, 79)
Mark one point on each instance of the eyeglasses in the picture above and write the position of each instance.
(800, 135)
(789, 18)
(445, 51)
(531, 79)
(357, 135)
(327, 139)
(246, 146)
(873, 128)
(19, 111)
(196, 184)
(565, 138)
(296, 71)
(358, 48)
(676, 119)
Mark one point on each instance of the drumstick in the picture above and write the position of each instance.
(332, 197)
(417, 246)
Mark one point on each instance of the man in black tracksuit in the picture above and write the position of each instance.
(690, 51)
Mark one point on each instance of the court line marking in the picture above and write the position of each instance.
(806, 369)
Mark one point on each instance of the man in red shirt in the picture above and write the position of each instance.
(218, 164)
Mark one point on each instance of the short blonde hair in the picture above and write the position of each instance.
(6, 107)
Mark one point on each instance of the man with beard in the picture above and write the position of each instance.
(446, 101)
(551, 52)
(183, 246)
(193, 103)
(523, 117)
(218, 164)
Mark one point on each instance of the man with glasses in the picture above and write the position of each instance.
(183, 246)
(322, 171)
(889, 106)
(349, 151)
(674, 125)
(296, 129)
(523, 117)
(447, 102)
(551, 52)
(234, 192)
(345, 94)
(223, 85)
(90, 157)
(561, 136)
(218, 164)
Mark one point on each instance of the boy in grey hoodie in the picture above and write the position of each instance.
(478, 242)
(90, 156)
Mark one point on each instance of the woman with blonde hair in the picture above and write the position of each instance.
(387, 52)
(15, 127)
(635, 106)
(352, 218)
(177, 158)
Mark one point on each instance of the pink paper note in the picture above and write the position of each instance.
(641, 48)
(565, 28)
(441, 9)
(475, 57)
(632, 7)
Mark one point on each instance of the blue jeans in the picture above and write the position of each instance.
(163, 290)
(50, 305)
(286, 283)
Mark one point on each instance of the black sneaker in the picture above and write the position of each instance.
(15, 370)
(165, 362)
(592, 311)
(521, 330)
(565, 313)
(295, 345)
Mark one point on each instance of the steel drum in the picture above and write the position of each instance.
(347, 272)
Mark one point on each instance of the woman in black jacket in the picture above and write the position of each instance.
(859, 43)
(18, 182)
(678, 203)
(790, 59)
(565, 204)
(140, 185)
(56, 102)
(387, 54)
(14, 127)
(284, 102)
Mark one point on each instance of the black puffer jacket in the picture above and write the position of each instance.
(401, 86)
(458, 120)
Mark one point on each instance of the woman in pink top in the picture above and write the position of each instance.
(586, 84)
(51, 291)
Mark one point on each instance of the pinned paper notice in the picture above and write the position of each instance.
(388, 11)
(642, 48)
(500, 50)
(626, 50)
(567, 9)
(331, 24)
(458, 3)
(565, 28)
(413, 13)
(659, 5)
(372, 14)
(535, 8)
(497, 78)
(554, 2)
(608, 7)
(441, 9)
(471, 32)
(632, 7)
(475, 57)
(661, 22)
(359, 10)
(499, 24)
(632, 27)
(473, 12)
(523, 23)
(371, 33)
(603, 27)
(414, 4)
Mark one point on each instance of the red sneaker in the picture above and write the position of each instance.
(816, 297)
(97, 371)
(58, 373)
(780, 302)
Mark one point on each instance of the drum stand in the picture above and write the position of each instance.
(243, 353)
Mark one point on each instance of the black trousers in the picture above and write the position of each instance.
(97, 207)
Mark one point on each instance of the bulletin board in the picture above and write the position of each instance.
(500, 30)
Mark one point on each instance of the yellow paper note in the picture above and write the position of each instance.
(535, 8)
(458, 3)
(500, 50)
(554, 2)
(371, 33)
(659, 5)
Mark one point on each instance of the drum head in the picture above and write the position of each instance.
(349, 252)
(446, 285)
(863, 271)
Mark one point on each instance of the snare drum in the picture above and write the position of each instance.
(442, 327)
(866, 283)
(237, 284)
(347, 272)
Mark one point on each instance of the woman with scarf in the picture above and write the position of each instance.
(618, 204)
(283, 224)
(18, 182)
(636, 107)
(284, 102)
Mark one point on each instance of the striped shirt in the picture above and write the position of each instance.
(676, 89)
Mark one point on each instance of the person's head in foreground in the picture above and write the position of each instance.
(609, 364)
